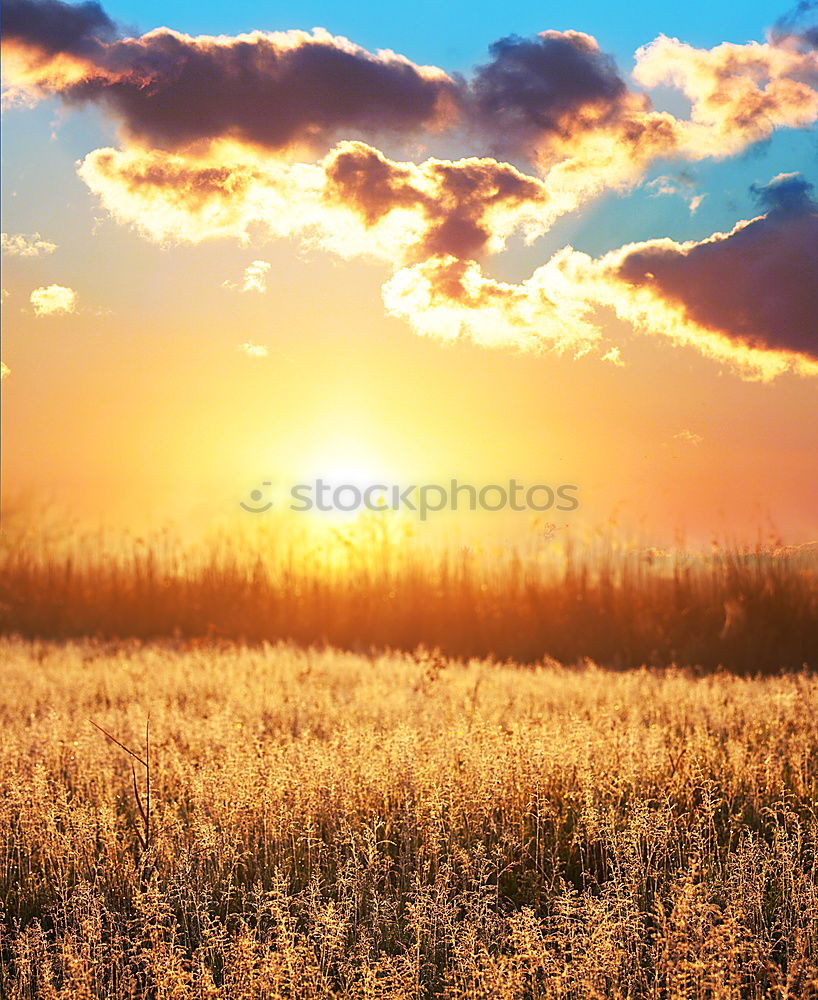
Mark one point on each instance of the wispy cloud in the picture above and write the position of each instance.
(53, 300)
(680, 186)
(795, 25)
(614, 356)
(687, 436)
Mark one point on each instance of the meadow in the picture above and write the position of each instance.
(328, 824)
(573, 769)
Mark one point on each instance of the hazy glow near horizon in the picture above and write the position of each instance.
(531, 262)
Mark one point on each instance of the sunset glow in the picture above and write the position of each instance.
(607, 254)
(409, 500)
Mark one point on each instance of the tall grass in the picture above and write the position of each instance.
(746, 609)
(404, 826)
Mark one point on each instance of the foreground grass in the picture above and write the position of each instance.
(331, 825)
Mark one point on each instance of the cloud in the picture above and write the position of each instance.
(254, 350)
(466, 207)
(451, 299)
(681, 186)
(261, 136)
(556, 100)
(786, 194)
(27, 246)
(756, 286)
(47, 42)
(747, 299)
(739, 94)
(555, 97)
(170, 90)
(53, 300)
(544, 86)
(559, 102)
(614, 356)
(354, 202)
(791, 26)
(254, 279)
(280, 90)
(241, 105)
(49, 28)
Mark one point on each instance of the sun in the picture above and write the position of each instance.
(346, 479)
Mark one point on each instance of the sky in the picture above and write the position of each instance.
(246, 246)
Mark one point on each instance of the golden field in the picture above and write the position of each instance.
(326, 824)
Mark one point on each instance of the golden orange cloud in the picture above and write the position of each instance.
(744, 298)
(739, 93)
(355, 202)
(450, 299)
(430, 222)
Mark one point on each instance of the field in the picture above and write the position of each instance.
(326, 824)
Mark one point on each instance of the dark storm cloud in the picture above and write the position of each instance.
(54, 27)
(758, 285)
(278, 90)
(533, 86)
(787, 193)
(273, 90)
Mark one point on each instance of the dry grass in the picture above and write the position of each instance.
(332, 825)
(750, 610)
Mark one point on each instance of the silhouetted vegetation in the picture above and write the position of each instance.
(746, 610)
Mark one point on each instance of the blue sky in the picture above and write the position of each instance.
(456, 35)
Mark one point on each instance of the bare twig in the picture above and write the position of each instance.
(144, 811)
(147, 781)
(115, 740)
(141, 839)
